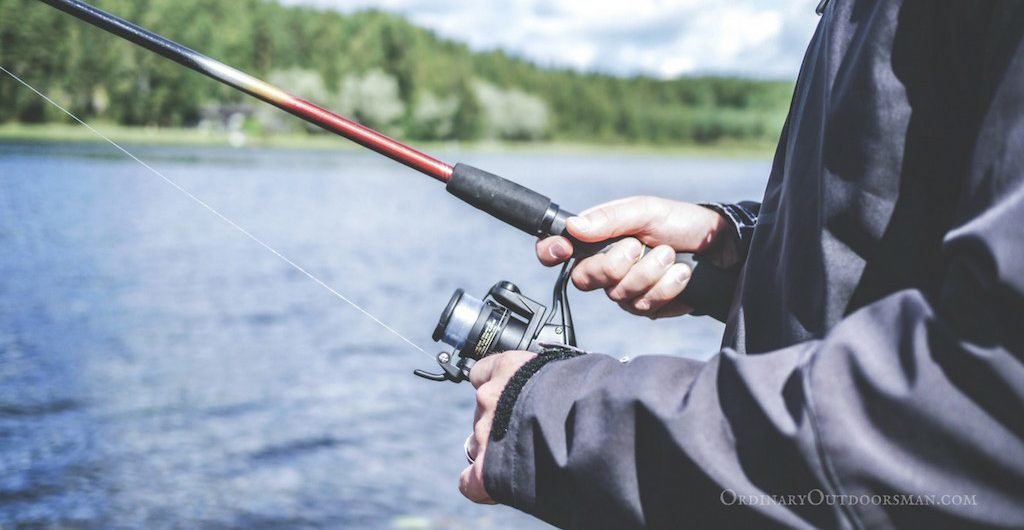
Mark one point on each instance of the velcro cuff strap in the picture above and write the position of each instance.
(509, 396)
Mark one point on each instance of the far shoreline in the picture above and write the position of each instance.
(46, 133)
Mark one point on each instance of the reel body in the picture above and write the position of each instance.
(505, 319)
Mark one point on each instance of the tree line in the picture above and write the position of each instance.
(371, 65)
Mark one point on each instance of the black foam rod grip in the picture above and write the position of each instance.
(518, 206)
(512, 203)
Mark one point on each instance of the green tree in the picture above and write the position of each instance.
(376, 66)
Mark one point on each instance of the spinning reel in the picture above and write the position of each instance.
(505, 319)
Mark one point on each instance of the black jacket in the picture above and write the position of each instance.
(871, 373)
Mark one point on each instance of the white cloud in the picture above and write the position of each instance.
(664, 38)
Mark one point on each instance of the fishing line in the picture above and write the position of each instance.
(218, 214)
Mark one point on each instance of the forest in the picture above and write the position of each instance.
(372, 66)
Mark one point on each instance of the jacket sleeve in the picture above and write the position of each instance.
(908, 413)
(921, 410)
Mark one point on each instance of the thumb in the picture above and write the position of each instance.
(630, 216)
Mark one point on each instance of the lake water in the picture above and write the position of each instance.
(160, 370)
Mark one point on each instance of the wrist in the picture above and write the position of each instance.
(719, 226)
(723, 247)
(715, 228)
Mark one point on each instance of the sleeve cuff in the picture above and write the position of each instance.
(509, 396)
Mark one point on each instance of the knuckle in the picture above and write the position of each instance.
(480, 372)
(484, 397)
(611, 271)
(646, 274)
(658, 295)
(506, 363)
(482, 365)
(581, 280)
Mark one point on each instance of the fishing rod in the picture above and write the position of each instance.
(512, 203)
(505, 318)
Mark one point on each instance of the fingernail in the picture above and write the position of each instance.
(632, 250)
(580, 224)
(643, 305)
(559, 252)
(666, 256)
(683, 275)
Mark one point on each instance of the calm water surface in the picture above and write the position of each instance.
(160, 370)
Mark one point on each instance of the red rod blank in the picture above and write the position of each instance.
(370, 139)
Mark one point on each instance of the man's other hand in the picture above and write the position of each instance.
(489, 375)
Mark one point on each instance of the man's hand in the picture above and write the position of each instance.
(489, 376)
(646, 286)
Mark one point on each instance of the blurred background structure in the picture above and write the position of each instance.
(159, 370)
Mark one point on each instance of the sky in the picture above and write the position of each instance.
(662, 38)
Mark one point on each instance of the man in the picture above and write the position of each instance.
(871, 373)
